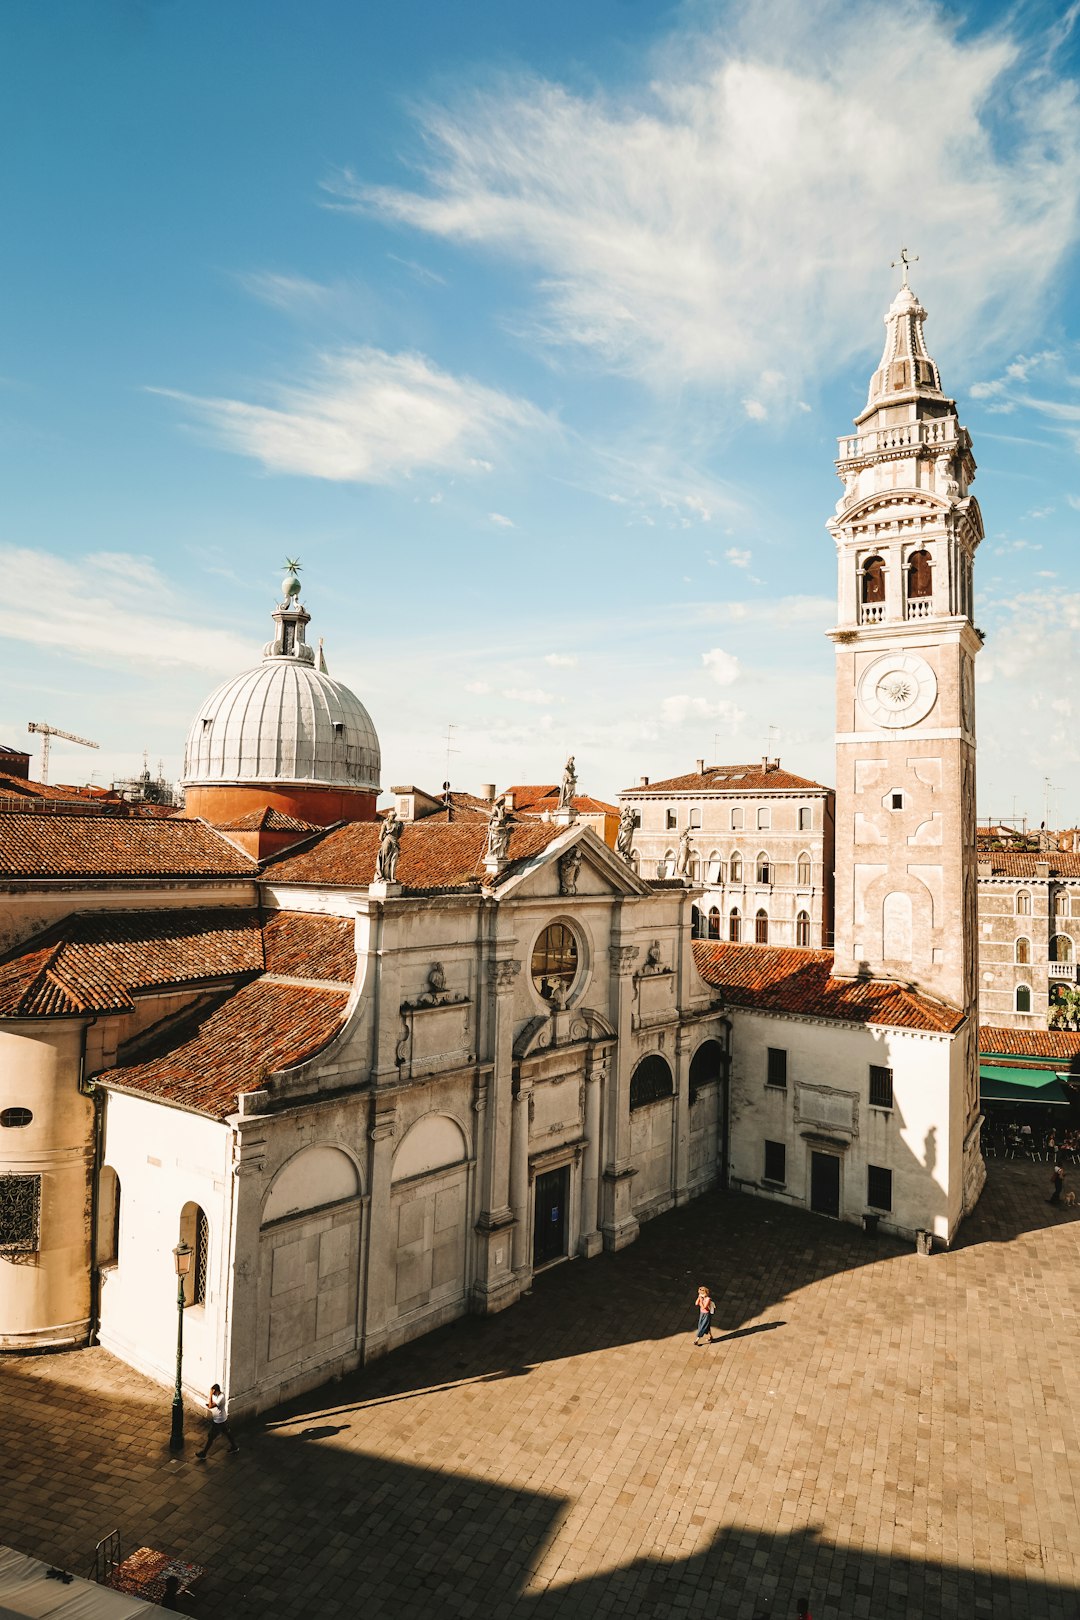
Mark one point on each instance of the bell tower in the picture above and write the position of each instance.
(906, 530)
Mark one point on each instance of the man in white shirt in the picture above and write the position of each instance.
(218, 1424)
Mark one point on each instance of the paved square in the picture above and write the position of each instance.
(886, 1434)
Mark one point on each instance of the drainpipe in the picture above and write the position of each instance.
(97, 1097)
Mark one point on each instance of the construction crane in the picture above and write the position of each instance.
(45, 732)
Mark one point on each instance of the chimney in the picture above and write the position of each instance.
(644, 782)
(700, 767)
(487, 791)
(508, 799)
(765, 763)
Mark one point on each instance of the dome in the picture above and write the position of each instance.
(284, 724)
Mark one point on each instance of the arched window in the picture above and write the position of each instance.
(802, 930)
(761, 927)
(697, 930)
(919, 575)
(108, 1243)
(1061, 948)
(736, 817)
(763, 867)
(1023, 904)
(873, 580)
(1061, 904)
(735, 869)
(716, 867)
(734, 925)
(1023, 998)
(195, 1232)
(1023, 950)
(709, 1063)
(554, 963)
(803, 874)
(806, 818)
(650, 1082)
(714, 922)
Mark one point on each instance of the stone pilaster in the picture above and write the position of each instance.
(681, 1143)
(381, 1239)
(495, 1285)
(618, 1224)
(591, 1240)
(519, 1176)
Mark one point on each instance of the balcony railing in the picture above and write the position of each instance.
(871, 612)
(1061, 970)
(908, 435)
(918, 607)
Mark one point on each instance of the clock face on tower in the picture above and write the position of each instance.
(898, 689)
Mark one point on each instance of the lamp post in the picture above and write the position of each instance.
(182, 1259)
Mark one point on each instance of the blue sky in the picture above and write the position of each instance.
(530, 331)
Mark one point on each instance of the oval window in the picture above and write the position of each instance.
(555, 962)
(15, 1116)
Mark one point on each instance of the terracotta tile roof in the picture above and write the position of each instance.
(1015, 863)
(22, 787)
(727, 779)
(203, 1062)
(525, 795)
(535, 800)
(778, 980)
(299, 945)
(1060, 1044)
(92, 963)
(36, 846)
(268, 820)
(433, 855)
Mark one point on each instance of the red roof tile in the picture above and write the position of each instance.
(531, 801)
(728, 779)
(1062, 1044)
(92, 963)
(268, 820)
(778, 980)
(36, 846)
(206, 1060)
(1015, 863)
(433, 855)
(299, 945)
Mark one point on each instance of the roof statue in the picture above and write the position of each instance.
(568, 785)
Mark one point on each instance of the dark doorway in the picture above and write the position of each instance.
(549, 1227)
(825, 1183)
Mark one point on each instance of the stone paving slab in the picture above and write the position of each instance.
(886, 1434)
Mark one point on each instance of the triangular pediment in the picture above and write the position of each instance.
(575, 864)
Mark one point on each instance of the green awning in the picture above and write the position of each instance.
(1041, 1086)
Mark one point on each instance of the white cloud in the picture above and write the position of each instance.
(1015, 545)
(737, 558)
(561, 660)
(368, 417)
(1018, 371)
(500, 521)
(481, 688)
(113, 610)
(685, 228)
(678, 710)
(722, 666)
(529, 695)
(1074, 502)
(781, 615)
(284, 291)
(755, 410)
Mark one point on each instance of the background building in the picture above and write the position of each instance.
(1029, 934)
(762, 848)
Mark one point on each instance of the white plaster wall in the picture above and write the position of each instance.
(29, 908)
(651, 1132)
(165, 1158)
(915, 1139)
(45, 1296)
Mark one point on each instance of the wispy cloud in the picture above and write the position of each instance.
(722, 666)
(534, 694)
(561, 660)
(283, 291)
(681, 230)
(113, 610)
(681, 709)
(500, 521)
(368, 417)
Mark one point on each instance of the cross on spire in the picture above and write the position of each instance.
(902, 263)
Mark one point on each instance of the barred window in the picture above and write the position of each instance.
(20, 1214)
(15, 1118)
(878, 1187)
(775, 1162)
(880, 1087)
(195, 1231)
(776, 1067)
(650, 1081)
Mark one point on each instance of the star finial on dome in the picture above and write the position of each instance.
(290, 585)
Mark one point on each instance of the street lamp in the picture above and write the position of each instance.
(182, 1260)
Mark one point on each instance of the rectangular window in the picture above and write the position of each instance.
(776, 1073)
(880, 1087)
(670, 821)
(898, 801)
(805, 818)
(878, 1187)
(695, 817)
(736, 818)
(775, 1162)
(20, 1214)
(763, 818)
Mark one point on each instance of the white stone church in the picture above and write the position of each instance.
(377, 1074)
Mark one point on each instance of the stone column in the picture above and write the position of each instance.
(591, 1240)
(894, 581)
(617, 1217)
(680, 1119)
(381, 1239)
(519, 1175)
(495, 1285)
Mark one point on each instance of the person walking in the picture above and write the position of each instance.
(802, 1609)
(705, 1308)
(218, 1424)
(1057, 1182)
